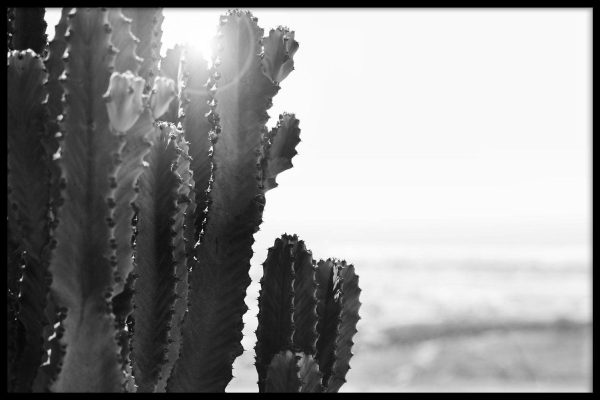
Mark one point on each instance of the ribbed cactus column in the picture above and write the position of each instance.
(29, 182)
(307, 318)
(287, 315)
(160, 260)
(197, 121)
(212, 330)
(84, 259)
(337, 308)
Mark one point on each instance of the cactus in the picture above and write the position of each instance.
(307, 317)
(134, 192)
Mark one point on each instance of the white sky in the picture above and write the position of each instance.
(424, 127)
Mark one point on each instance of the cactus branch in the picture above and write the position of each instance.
(338, 304)
(160, 252)
(328, 311)
(279, 149)
(279, 50)
(287, 304)
(137, 145)
(195, 99)
(213, 324)
(276, 306)
(349, 304)
(83, 260)
(29, 197)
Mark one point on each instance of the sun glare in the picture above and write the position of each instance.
(192, 27)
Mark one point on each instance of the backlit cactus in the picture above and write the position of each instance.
(134, 192)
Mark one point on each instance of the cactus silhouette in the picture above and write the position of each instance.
(135, 186)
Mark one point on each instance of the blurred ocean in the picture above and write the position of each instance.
(436, 320)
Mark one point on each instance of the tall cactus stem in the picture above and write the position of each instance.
(29, 180)
(219, 280)
(160, 252)
(83, 260)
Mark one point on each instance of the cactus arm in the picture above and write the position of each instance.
(137, 146)
(29, 196)
(283, 373)
(275, 305)
(305, 302)
(338, 304)
(195, 97)
(130, 168)
(180, 256)
(287, 304)
(83, 259)
(236, 202)
(350, 304)
(169, 67)
(213, 324)
(146, 26)
(160, 252)
(29, 29)
(132, 154)
(328, 311)
(281, 148)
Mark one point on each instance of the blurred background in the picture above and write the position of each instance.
(446, 153)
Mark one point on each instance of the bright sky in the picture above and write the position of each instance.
(446, 127)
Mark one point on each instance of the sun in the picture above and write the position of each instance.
(195, 28)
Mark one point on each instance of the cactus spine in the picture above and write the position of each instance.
(134, 192)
